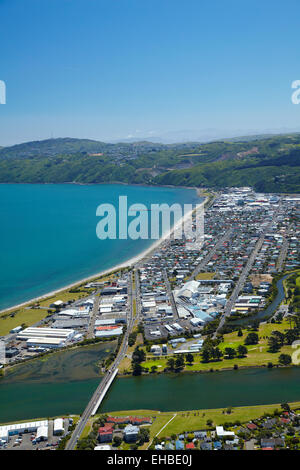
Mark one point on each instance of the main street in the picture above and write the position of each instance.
(211, 253)
(104, 382)
(170, 295)
(91, 327)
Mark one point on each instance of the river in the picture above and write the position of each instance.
(169, 392)
(270, 310)
(64, 382)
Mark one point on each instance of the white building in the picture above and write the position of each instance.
(222, 433)
(58, 426)
(19, 428)
(45, 343)
(156, 350)
(33, 332)
(42, 433)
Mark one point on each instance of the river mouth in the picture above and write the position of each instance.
(30, 396)
(57, 384)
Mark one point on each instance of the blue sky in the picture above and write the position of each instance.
(110, 69)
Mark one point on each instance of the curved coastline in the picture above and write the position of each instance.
(126, 264)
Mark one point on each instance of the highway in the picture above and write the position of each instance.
(102, 387)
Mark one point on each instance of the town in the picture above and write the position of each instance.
(233, 303)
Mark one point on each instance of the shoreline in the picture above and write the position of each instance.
(126, 264)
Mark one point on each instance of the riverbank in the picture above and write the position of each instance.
(196, 419)
(127, 264)
(257, 355)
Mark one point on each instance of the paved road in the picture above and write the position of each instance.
(211, 253)
(99, 391)
(170, 295)
(91, 327)
(283, 251)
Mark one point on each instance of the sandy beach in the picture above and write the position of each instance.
(126, 264)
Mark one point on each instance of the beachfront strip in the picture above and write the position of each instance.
(177, 304)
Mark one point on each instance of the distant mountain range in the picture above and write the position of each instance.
(267, 162)
(206, 135)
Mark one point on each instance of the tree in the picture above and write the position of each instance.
(279, 336)
(179, 363)
(189, 358)
(285, 359)
(138, 355)
(206, 354)
(291, 336)
(216, 353)
(116, 441)
(171, 363)
(230, 353)
(209, 423)
(137, 369)
(251, 338)
(285, 406)
(240, 333)
(242, 351)
(153, 369)
(143, 435)
(273, 344)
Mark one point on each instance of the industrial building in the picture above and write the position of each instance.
(102, 331)
(42, 433)
(45, 343)
(17, 329)
(20, 428)
(33, 332)
(58, 426)
(70, 323)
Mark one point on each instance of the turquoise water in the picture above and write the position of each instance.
(48, 234)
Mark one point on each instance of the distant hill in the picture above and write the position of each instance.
(51, 147)
(268, 163)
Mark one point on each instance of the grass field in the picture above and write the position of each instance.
(205, 276)
(258, 354)
(27, 316)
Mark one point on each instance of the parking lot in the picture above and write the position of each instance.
(27, 440)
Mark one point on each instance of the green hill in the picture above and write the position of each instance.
(270, 164)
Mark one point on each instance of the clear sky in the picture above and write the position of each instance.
(109, 69)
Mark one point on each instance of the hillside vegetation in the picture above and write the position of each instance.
(269, 164)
